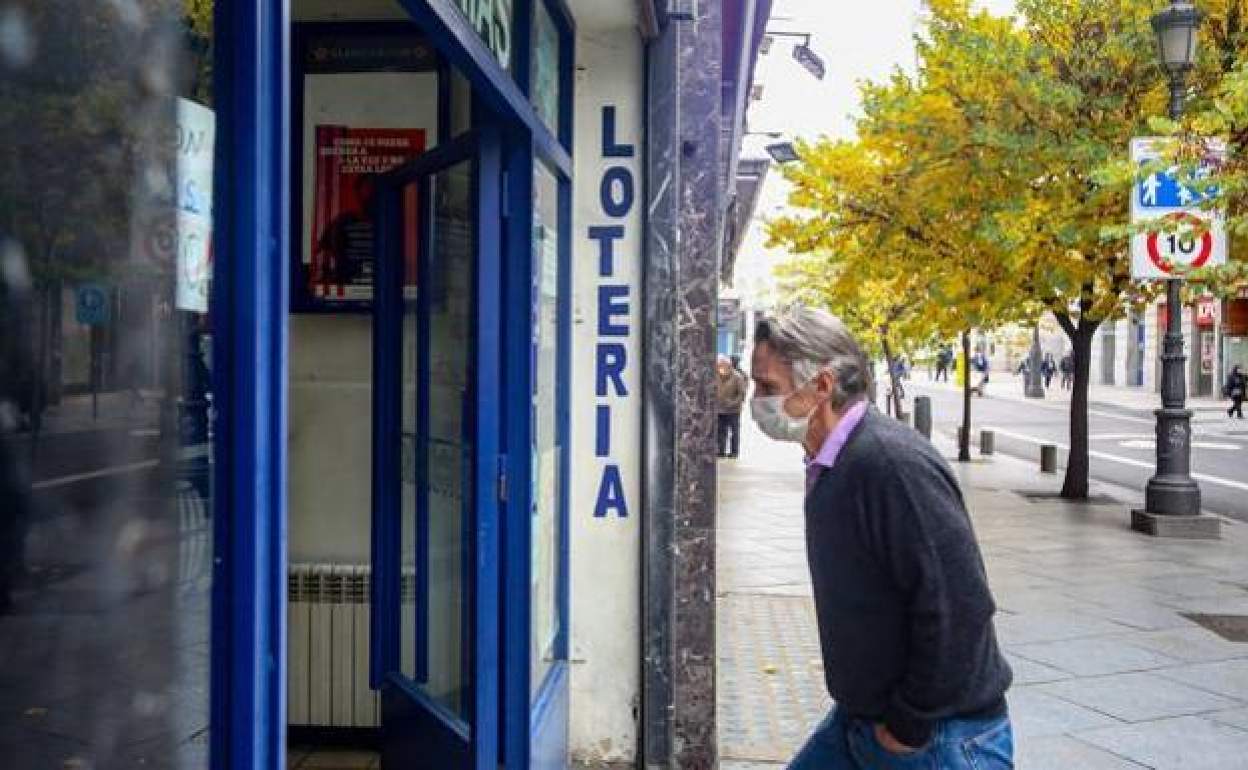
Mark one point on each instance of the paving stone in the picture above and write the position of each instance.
(1061, 752)
(1191, 645)
(1184, 743)
(1093, 657)
(1193, 587)
(1030, 672)
(1138, 697)
(1054, 626)
(1036, 714)
(1236, 718)
(1145, 617)
(1229, 678)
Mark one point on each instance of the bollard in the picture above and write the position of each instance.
(923, 415)
(987, 442)
(1048, 458)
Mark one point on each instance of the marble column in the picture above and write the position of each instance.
(681, 290)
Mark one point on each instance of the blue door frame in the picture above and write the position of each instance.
(416, 732)
(251, 300)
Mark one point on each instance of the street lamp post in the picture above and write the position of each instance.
(1172, 497)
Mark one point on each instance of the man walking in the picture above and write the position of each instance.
(1067, 368)
(904, 610)
(1236, 386)
(943, 359)
(730, 391)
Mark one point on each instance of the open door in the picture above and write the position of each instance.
(436, 470)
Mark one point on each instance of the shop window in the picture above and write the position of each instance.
(545, 65)
(546, 445)
(106, 341)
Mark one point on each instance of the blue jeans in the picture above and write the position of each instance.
(844, 743)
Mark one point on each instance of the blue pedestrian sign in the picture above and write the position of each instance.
(91, 303)
(1161, 190)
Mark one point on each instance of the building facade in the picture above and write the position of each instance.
(353, 353)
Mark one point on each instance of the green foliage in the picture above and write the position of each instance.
(994, 183)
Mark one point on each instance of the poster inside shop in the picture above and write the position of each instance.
(367, 101)
(348, 162)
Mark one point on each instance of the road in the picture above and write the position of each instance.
(1121, 440)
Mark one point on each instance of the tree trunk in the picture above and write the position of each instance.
(964, 441)
(894, 402)
(1075, 486)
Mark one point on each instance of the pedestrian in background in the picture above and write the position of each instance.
(910, 655)
(1068, 371)
(979, 362)
(1047, 368)
(1236, 387)
(943, 359)
(731, 387)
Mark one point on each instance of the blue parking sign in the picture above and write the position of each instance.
(91, 304)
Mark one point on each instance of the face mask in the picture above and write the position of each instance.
(768, 412)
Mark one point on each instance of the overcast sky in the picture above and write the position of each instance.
(858, 41)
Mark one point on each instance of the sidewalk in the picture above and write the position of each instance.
(1013, 387)
(1109, 673)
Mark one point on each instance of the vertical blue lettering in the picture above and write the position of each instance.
(611, 494)
(610, 149)
(612, 357)
(607, 191)
(604, 431)
(606, 235)
(610, 308)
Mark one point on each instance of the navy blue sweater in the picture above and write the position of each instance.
(905, 614)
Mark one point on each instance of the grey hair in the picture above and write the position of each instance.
(812, 340)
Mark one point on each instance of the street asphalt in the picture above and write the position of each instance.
(1121, 440)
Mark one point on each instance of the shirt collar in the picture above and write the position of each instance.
(835, 441)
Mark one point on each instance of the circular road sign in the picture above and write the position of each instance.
(1181, 248)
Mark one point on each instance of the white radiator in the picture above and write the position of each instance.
(327, 682)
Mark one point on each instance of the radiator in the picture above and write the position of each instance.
(327, 679)
(328, 653)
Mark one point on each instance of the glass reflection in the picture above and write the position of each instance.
(105, 394)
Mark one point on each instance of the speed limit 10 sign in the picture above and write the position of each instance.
(1183, 235)
(1186, 241)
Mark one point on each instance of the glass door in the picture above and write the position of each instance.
(436, 458)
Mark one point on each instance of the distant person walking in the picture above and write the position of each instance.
(944, 357)
(910, 655)
(1236, 389)
(731, 388)
(979, 362)
(1047, 368)
(1067, 367)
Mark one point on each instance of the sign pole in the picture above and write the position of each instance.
(1172, 497)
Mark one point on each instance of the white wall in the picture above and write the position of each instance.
(605, 551)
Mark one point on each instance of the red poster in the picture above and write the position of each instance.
(343, 233)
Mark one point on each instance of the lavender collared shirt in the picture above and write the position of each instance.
(834, 443)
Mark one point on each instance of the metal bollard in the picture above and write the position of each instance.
(923, 415)
(987, 442)
(1048, 458)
